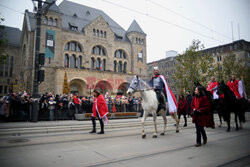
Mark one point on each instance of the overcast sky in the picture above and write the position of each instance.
(169, 24)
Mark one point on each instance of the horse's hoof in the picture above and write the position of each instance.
(162, 134)
(237, 129)
(219, 126)
(143, 136)
(241, 128)
(228, 130)
(177, 131)
(154, 136)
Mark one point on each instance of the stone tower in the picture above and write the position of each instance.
(138, 49)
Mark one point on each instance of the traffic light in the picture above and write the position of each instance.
(41, 59)
(40, 76)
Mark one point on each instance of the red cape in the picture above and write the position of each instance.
(102, 108)
(234, 87)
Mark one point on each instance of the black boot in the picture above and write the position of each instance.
(94, 125)
(93, 131)
(160, 106)
(102, 127)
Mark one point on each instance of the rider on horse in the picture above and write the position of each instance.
(159, 84)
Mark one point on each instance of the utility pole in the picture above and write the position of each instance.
(38, 55)
(37, 49)
(39, 13)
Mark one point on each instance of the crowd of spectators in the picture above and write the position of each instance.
(19, 106)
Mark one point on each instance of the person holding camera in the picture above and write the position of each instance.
(201, 115)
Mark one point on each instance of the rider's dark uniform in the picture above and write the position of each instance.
(158, 85)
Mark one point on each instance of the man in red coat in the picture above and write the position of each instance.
(234, 86)
(212, 87)
(99, 110)
(201, 115)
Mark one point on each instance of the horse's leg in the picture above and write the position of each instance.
(220, 115)
(155, 124)
(174, 115)
(228, 123)
(165, 122)
(145, 114)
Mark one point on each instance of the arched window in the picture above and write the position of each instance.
(125, 67)
(93, 32)
(50, 21)
(79, 61)
(92, 63)
(101, 34)
(120, 54)
(97, 33)
(55, 23)
(103, 52)
(98, 64)
(117, 54)
(120, 66)
(73, 61)
(72, 46)
(45, 21)
(66, 60)
(78, 48)
(67, 46)
(103, 67)
(105, 34)
(99, 50)
(136, 40)
(115, 65)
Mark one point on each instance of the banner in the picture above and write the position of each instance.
(50, 44)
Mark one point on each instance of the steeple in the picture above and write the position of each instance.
(134, 27)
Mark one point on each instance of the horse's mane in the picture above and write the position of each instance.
(228, 93)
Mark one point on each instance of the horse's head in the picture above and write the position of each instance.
(222, 88)
(133, 85)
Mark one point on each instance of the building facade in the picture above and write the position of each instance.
(86, 44)
(9, 62)
(239, 49)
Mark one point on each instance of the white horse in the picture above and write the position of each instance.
(150, 105)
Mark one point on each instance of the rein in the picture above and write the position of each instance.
(141, 90)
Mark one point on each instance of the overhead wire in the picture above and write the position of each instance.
(191, 20)
(11, 9)
(161, 20)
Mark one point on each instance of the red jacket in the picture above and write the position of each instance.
(101, 107)
(212, 85)
(76, 100)
(182, 107)
(205, 117)
(234, 85)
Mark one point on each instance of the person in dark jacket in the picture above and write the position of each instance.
(182, 108)
(201, 115)
(189, 99)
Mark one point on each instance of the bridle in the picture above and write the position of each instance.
(136, 90)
